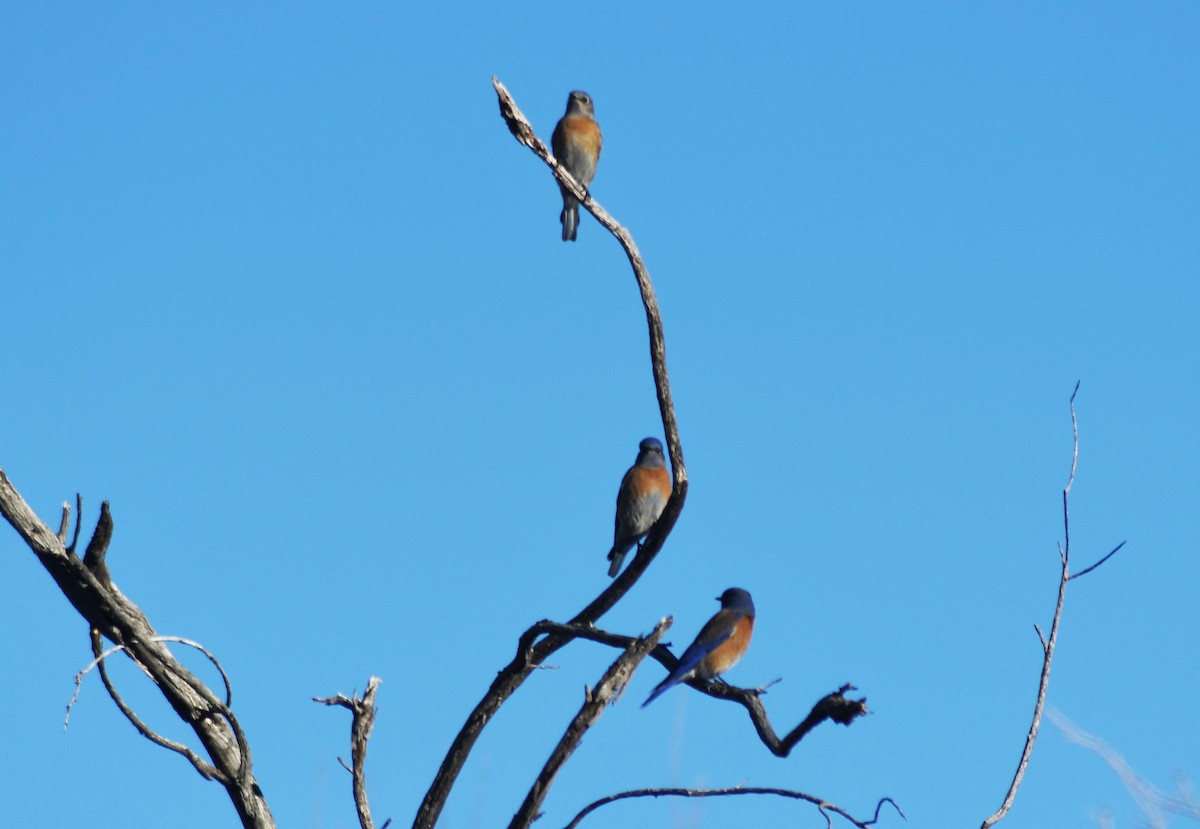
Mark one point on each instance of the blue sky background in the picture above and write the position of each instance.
(279, 285)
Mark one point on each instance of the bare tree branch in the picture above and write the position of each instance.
(65, 523)
(1048, 644)
(97, 548)
(1087, 570)
(530, 656)
(522, 130)
(206, 770)
(100, 656)
(823, 805)
(595, 701)
(833, 706)
(362, 722)
(78, 523)
(87, 585)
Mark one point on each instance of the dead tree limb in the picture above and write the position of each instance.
(824, 806)
(595, 701)
(522, 130)
(87, 585)
(362, 722)
(206, 770)
(1064, 554)
(528, 658)
(834, 706)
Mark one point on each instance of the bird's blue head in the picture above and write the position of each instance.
(650, 453)
(737, 599)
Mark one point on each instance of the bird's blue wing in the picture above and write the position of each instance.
(718, 630)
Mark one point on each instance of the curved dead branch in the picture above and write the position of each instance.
(522, 130)
(100, 656)
(824, 806)
(205, 769)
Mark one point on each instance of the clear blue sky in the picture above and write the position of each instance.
(280, 286)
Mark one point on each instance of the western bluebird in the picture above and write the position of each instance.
(719, 646)
(576, 145)
(640, 500)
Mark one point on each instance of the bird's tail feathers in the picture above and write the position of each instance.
(570, 221)
(659, 688)
(617, 557)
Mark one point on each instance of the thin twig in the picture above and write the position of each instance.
(823, 805)
(153, 664)
(78, 522)
(205, 769)
(100, 657)
(762, 689)
(1087, 570)
(1048, 644)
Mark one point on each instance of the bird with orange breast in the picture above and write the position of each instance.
(576, 144)
(718, 647)
(642, 497)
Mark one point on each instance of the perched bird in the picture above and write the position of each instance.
(719, 646)
(576, 145)
(640, 500)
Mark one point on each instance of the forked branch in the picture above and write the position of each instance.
(834, 706)
(87, 585)
(1048, 644)
(206, 770)
(362, 710)
(595, 701)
